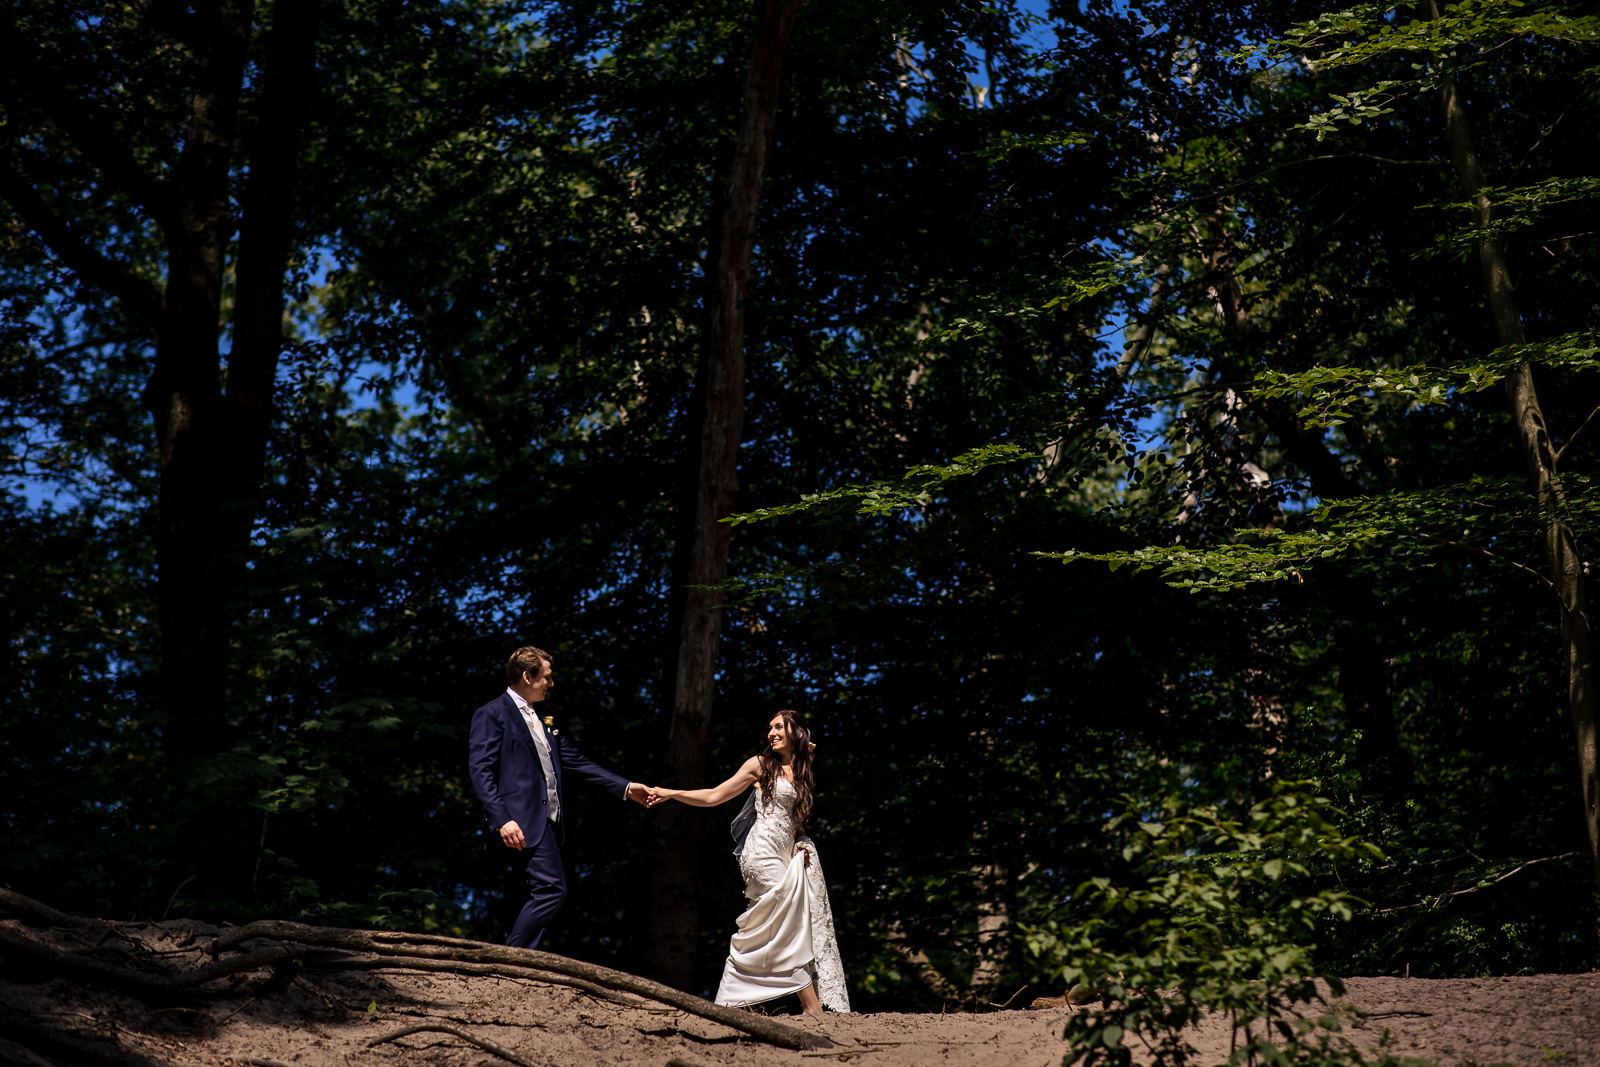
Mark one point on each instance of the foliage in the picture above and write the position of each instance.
(1474, 517)
(1329, 394)
(1214, 914)
(1091, 234)
(915, 488)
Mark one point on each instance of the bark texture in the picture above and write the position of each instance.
(675, 901)
(1533, 437)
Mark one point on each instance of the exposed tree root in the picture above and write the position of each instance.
(38, 1044)
(455, 1031)
(283, 942)
(388, 963)
(56, 961)
(395, 945)
(15, 1055)
(29, 908)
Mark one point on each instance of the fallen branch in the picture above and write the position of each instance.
(433, 947)
(1009, 999)
(455, 1031)
(845, 1056)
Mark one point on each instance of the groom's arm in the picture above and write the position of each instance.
(575, 762)
(484, 739)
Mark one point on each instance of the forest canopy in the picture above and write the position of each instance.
(1081, 411)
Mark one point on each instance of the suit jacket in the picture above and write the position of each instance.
(506, 774)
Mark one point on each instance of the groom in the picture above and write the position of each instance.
(517, 764)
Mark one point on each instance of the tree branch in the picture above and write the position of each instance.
(1562, 452)
(1442, 897)
(266, 229)
(82, 258)
(91, 133)
(1474, 549)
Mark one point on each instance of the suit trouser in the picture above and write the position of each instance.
(546, 876)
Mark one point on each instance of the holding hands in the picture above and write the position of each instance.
(648, 795)
(742, 779)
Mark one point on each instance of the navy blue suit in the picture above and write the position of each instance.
(507, 776)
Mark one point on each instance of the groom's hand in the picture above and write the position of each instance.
(511, 834)
(639, 793)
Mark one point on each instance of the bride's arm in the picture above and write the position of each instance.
(742, 779)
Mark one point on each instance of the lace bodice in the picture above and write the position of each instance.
(768, 848)
(771, 839)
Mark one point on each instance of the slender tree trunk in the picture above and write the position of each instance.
(184, 392)
(1363, 671)
(675, 902)
(994, 929)
(266, 243)
(1566, 565)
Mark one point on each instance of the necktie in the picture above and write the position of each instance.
(541, 745)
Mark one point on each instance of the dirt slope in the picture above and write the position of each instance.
(304, 1017)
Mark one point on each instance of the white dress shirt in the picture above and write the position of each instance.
(541, 745)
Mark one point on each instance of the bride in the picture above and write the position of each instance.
(784, 943)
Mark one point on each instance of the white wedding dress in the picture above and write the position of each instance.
(785, 939)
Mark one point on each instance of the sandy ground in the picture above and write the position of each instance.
(311, 1019)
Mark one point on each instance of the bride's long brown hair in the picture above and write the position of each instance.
(770, 767)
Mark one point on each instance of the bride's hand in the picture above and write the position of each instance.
(660, 793)
(801, 850)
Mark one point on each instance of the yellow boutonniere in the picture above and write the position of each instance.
(549, 722)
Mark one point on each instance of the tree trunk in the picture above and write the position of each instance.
(1566, 565)
(211, 444)
(1363, 671)
(184, 392)
(675, 901)
(994, 930)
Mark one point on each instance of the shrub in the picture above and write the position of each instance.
(1216, 914)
